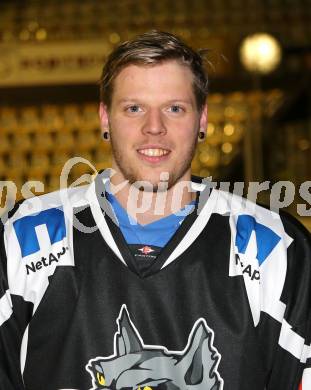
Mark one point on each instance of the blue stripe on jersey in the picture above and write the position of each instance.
(157, 233)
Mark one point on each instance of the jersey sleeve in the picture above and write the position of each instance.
(291, 361)
(15, 313)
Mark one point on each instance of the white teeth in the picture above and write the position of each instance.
(154, 152)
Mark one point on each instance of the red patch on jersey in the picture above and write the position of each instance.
(300, 386)
(146, 250)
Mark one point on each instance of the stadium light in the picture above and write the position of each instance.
(260, 53)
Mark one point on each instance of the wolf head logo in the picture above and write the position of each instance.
(136, 366)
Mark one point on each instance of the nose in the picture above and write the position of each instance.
(154, 123)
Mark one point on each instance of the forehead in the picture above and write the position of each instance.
(167, 79)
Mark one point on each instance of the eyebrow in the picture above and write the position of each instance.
(131, 100)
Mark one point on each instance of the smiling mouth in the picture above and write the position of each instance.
(156, 152)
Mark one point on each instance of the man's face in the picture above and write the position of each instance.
(153, 122)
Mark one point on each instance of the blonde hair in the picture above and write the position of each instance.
(152, 48)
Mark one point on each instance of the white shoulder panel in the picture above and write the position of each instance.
(38, 238)
(259, 247)
(258, 252)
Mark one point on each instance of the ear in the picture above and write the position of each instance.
(200, 359)
(204, 118)
(127, 340)
(104, 117)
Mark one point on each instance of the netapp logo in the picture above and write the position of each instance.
(45, 261)
(266, 239)
(25, 228)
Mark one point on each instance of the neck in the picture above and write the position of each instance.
(146, 207)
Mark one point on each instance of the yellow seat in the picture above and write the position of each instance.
(39, 160)
(17, 161)
(89, 118)
(8, 118)
(5, 145)
(21, 141)
(29, 118)
(51, 118)
(43, 141)
(71, 116)
(64, 141)
(87, 139)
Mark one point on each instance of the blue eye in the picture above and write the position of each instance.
(176, 109)
(133, 108)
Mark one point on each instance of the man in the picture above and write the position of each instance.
(144, 279)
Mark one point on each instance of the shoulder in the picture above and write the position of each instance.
(271, 229)
(246, 216)
(272, 251)
(50, 212)
(38, 205)
(295, 228)
(38, 239)
(48, 208)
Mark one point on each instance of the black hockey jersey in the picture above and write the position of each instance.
(226, 305)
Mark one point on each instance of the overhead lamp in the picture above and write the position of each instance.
(260, 53)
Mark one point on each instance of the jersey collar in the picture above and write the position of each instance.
(107, 224)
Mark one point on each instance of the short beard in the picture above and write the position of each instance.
(141, 183)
